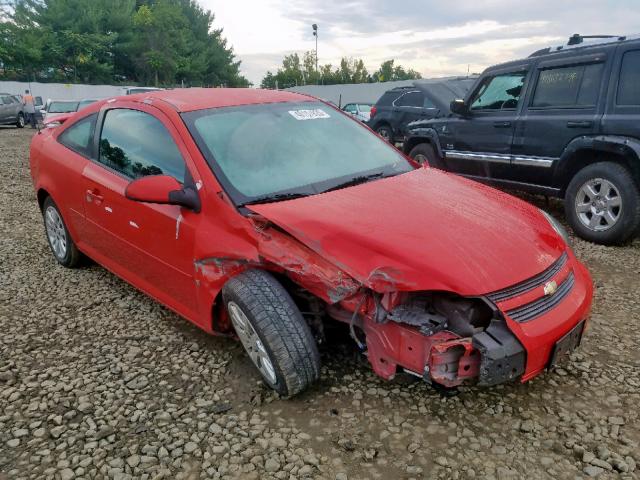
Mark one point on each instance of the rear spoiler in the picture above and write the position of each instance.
(58, 120)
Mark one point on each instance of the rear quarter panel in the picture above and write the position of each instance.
(54, 169)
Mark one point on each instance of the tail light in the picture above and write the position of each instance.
(373, 112)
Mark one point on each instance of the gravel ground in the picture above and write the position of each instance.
(99, 381)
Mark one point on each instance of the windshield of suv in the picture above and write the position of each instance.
(62, 107)
(85, 103)
(275, 151)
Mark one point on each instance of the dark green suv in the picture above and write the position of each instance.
(564, 122)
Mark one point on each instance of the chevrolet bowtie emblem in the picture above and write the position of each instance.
(550, 287)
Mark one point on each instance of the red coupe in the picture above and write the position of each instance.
(263, 214)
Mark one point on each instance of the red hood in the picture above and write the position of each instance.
(423, 230)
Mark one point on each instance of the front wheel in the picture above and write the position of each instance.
(424, 154)
(385, 132)
(20, 121)
(272, 331)
(602, 204)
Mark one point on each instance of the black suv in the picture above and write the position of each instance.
(425, 99)
(563, 122)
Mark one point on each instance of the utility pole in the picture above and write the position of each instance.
(315, 34)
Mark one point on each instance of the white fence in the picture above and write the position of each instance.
(61, 91)
(350, 93)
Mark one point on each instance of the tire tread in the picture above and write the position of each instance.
(280, 323)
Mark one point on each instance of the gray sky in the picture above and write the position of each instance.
(436, 38)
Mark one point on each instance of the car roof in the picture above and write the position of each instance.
(568, 49)
(190, 99)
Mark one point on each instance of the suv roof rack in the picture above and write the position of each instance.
(576, 40)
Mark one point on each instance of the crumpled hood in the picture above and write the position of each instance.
(423, 230)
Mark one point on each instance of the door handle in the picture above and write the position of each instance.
(94, 196)
(584, 124)
(502, 124)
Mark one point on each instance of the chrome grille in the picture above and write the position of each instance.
(531, 283)
(542, 305)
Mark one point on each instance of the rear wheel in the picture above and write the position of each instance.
(20, 121)
(385, 132)
(272, 331)
(62, 246)
(602, 203)
(424, 153)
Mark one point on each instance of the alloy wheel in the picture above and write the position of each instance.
(20, 121)
(598, 204)
(252, 343)
(56, 233)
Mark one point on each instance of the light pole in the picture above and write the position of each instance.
(315, 34)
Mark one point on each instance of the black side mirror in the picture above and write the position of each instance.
(186, 197)
(458, 107)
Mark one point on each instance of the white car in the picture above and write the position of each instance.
(360, 111)
(134, 90)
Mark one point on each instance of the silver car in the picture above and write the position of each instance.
(360, 111)
(11, 111)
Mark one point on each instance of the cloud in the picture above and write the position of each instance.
(434, 37)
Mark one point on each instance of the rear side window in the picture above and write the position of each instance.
(411, 99)
(8, 100)
(428, 103)
(78, 136)
(388, 98)
(137, 144)
(629, 86)
(566, 87)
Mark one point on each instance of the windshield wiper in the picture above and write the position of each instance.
(355, 181)
(278, 197)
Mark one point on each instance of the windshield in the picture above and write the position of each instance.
(282, 149)
(62, 107)
(133, 91)
(85, 103)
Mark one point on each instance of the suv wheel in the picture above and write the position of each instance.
(385, 132)
(602, 203)
(272, 331)
(424, 153)
(62, 246)
(20, 121)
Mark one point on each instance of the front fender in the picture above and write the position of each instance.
(419, 134)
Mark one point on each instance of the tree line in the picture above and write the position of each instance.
(150, 42)
(302, 71)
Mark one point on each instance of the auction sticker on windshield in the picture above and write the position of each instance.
(309, 114)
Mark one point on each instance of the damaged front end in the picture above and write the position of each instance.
(444, 338)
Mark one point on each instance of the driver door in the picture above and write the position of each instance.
(149, 245)
(479, 143)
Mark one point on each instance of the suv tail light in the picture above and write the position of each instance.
(373, 112)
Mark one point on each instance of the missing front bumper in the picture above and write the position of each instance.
(502, 357)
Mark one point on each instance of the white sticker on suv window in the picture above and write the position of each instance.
(309, 114)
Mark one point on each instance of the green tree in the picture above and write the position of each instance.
(147, 41)
(388, 73)
(295, 72)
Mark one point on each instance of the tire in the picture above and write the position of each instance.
(423, 153)
(274, 331)
(607, 218)
(62, 246)
(385, 132)
(20, 121)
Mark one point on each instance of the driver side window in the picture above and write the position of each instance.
(137, 144)
(501, 92)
